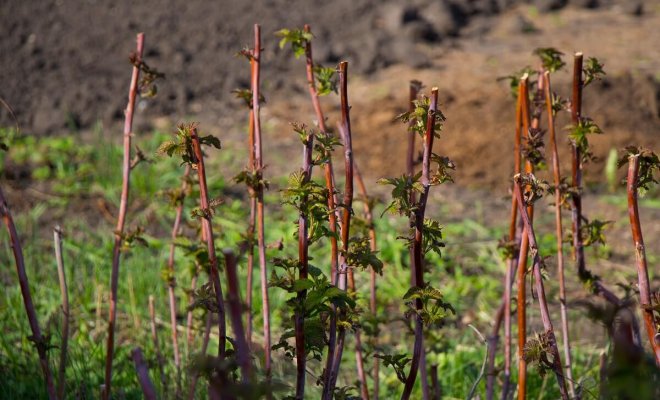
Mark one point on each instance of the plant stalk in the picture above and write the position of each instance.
(121, 218)
(303, 260)
(556, 174)
(417, 270)
(259, 166)
(640, 257)
(61, 380)
(210, 243)
(171, 286)
(243, 356)
(373, 244)
(23, 282)
(142, 369)
(538, 281)
(343, 272)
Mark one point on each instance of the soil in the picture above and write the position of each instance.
(64, 65)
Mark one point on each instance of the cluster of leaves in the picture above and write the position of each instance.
(533, 188)
(309, 198)
(533, 146)
(182, 146)
(396, 361)
(538, 351)
(431, 237)
(253, 179)
(298, 39)
(147, 85)
(320, 297)
(558, 103)
(199, 212)
(434, 309)
(514, 79)
(419, 117)
(589, 280)
(196, 252)
(133, 237)
(649, 166)
(578, 136)
(508, 248)
(593, 70)
(593, 232)
(246, 96)
(403, 187)
(204, 298)
(566, 192)
(441, 173)
(326, 80)
(324, 145)
(550, 58)
(360, 255)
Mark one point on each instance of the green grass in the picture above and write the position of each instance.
(76, 177)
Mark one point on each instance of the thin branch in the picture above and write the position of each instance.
(556, 174)
(243, 357)
(61, 380)
(23, 282)
(142, 370)
(522, 257)
(373, 244)
(483, 365)
(640, 257)
(417, 270)
(121, 218)
(504, 311)
(343, 272)
(172, 277)
(538, 281)
(303, 261)
(207, 227)
(259, 166)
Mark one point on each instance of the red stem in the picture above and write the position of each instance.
(538, 281)
(576, 111)
(327, 168)
(252, 217)
(208, 229)
(576, 209)
(640, 257)
(243, 356)
(504, 311)
(559, 233)
(23, 282)
(522, 256)
(142, 370)
(368, 215)
(123, 206)
(347, 207)
(259, 165)
(417, 270)
(303, 260)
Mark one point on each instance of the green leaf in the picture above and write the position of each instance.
(302, 284)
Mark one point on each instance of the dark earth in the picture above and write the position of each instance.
(64, 65)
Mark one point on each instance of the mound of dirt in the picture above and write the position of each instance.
(64, 65)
